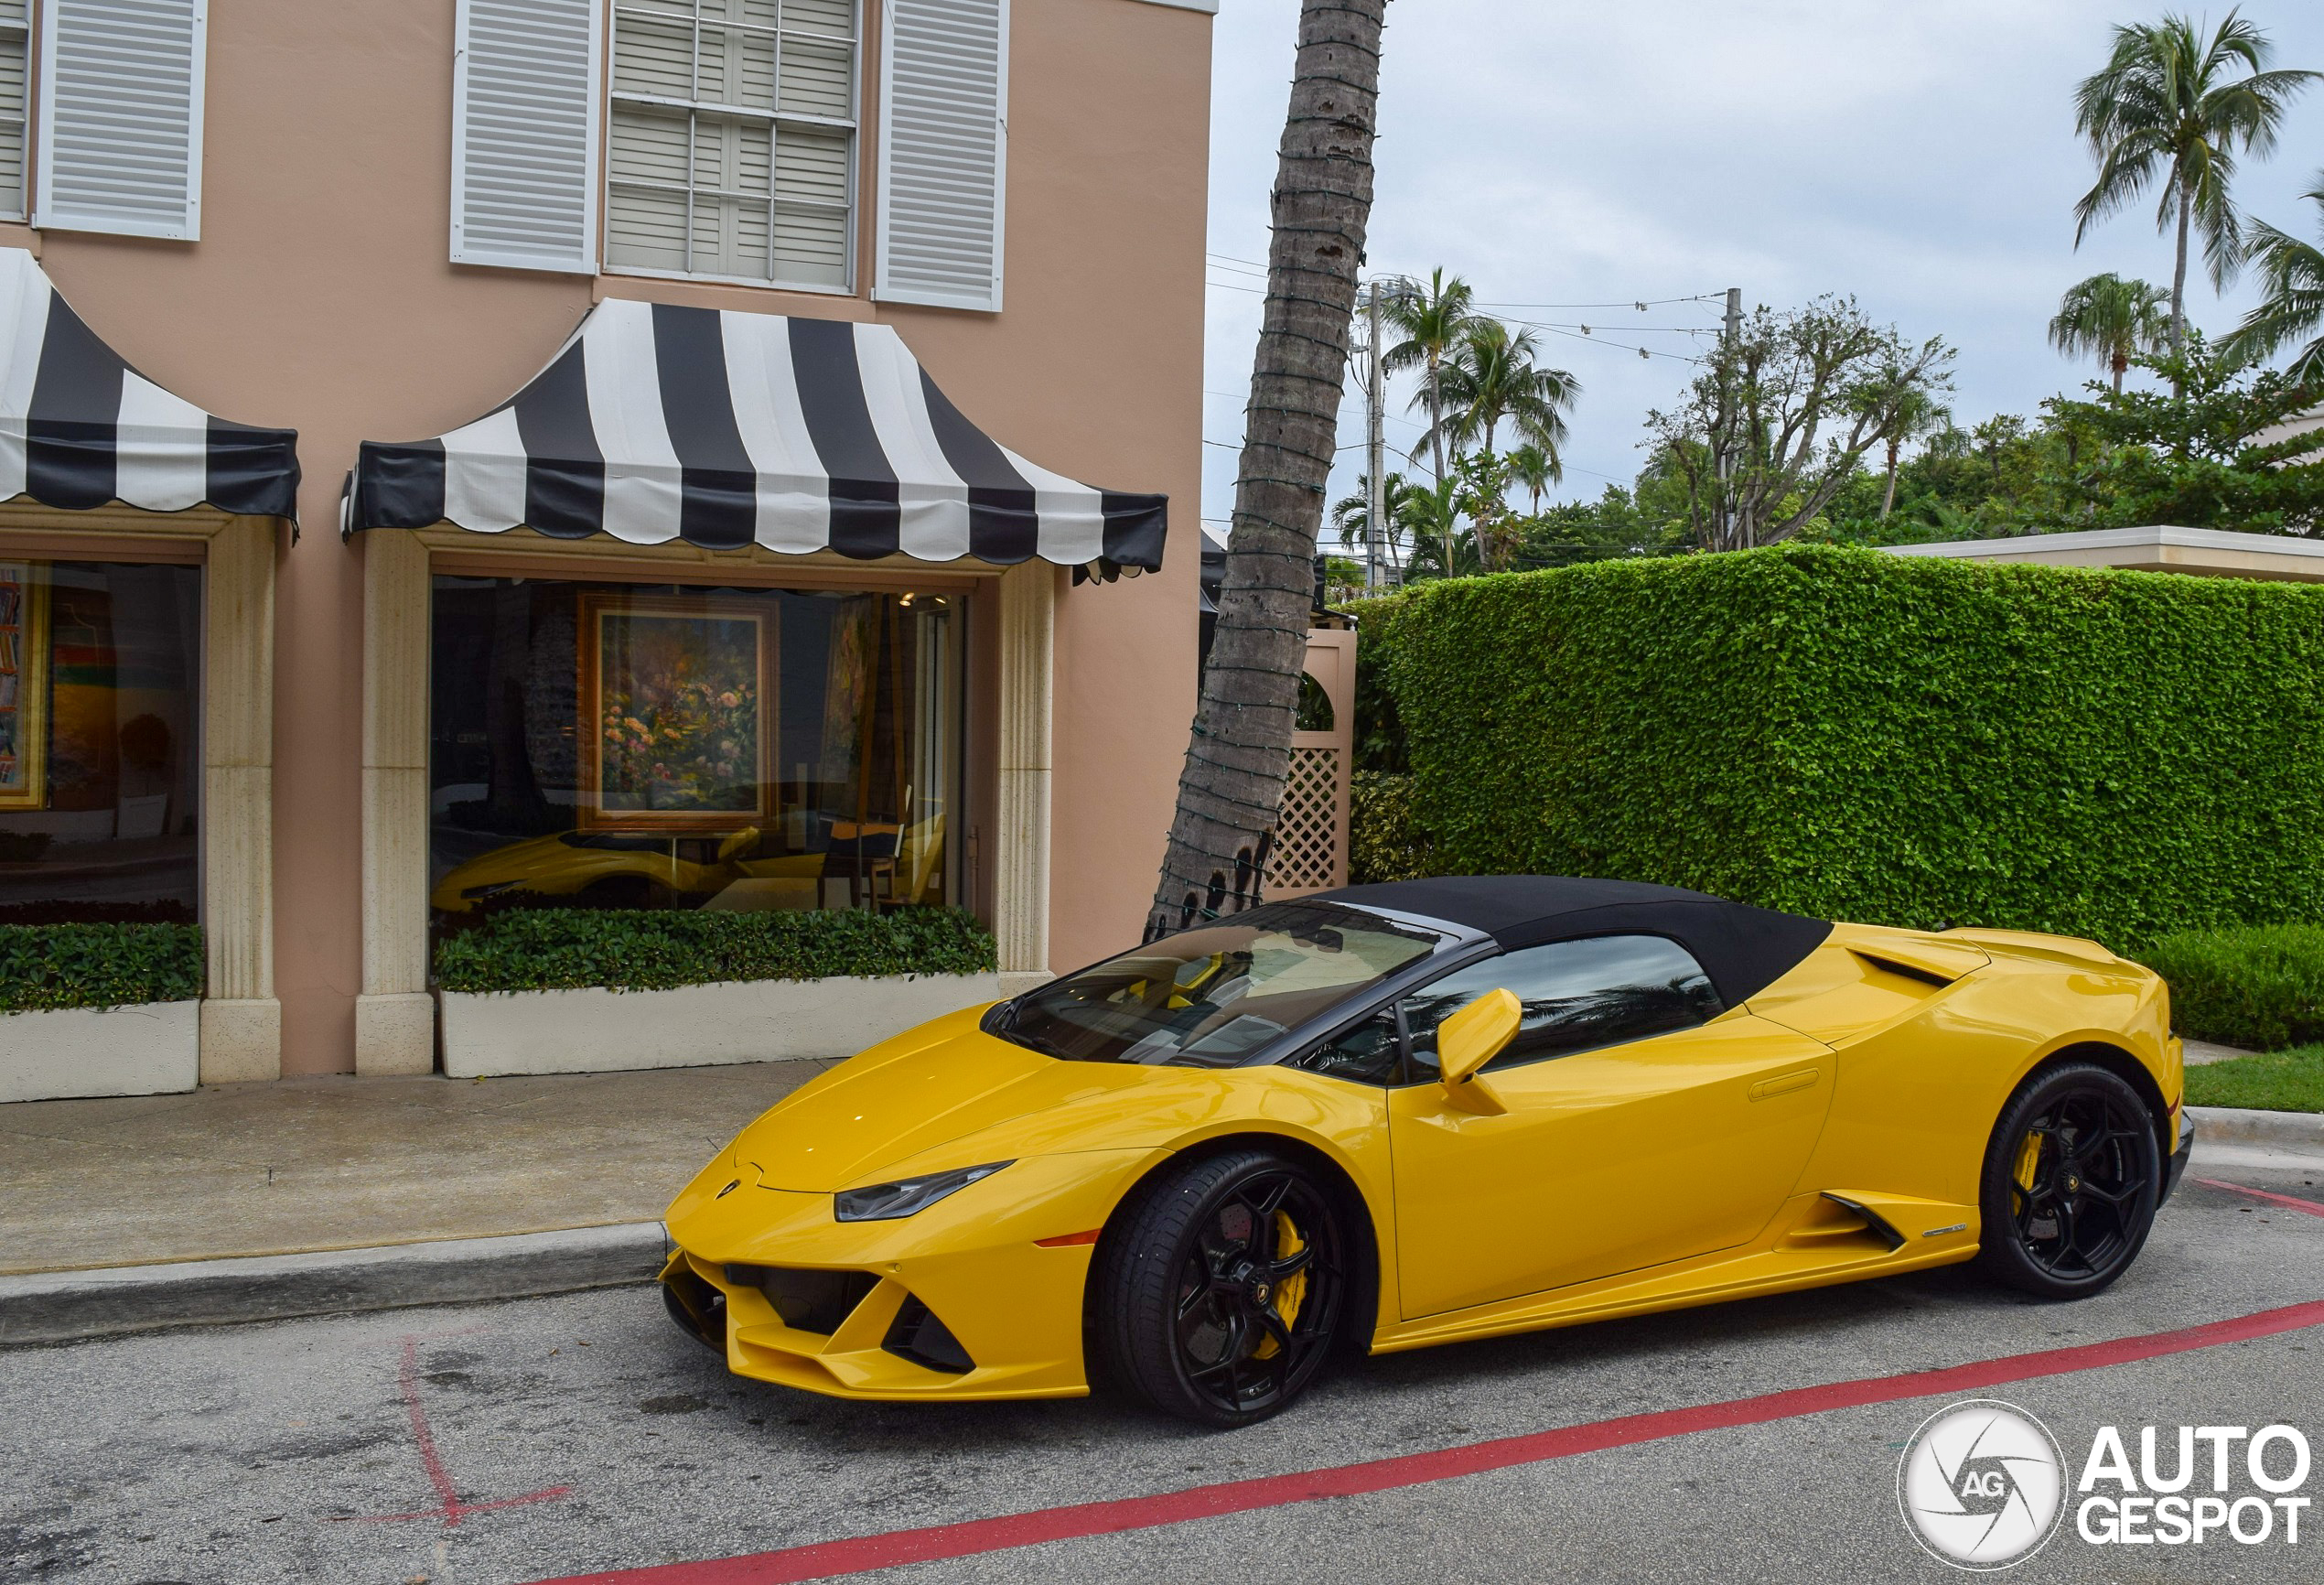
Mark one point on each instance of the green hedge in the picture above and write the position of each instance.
(45, 966)
(1385, 843)
(2262, 988)
(1905, 740)
(568, 948)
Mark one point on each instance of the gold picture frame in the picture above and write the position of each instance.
(677, 727)
(24, 685)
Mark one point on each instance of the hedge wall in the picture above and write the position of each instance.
(568, 948)
(48, 966)
(1902, 741)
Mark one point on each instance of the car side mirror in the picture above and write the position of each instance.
(1471, 1038)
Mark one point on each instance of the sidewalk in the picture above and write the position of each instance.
(341, 1163)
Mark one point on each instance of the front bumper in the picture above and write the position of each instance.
(963, 1301)
(2176, 1167)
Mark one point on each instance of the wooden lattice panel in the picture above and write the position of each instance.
(1306, 841)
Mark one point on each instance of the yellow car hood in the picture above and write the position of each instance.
(941, 1082)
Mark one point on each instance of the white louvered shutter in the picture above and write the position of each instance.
(525, 133)
(120, 139)
(943, 148)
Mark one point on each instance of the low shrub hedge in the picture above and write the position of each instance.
(45, 967)
(567, 948)
(2260, 988)
(1916, 741)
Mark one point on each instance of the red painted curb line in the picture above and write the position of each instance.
(2294, 1201)
(862, 1554)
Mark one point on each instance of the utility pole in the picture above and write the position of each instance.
(1722, 518)
(1375, 445)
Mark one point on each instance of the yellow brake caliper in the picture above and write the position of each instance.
(2028, 1158)
(1288, 1297)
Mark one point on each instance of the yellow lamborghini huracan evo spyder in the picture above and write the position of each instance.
(1395, 1116)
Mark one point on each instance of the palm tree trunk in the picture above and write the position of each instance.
(1888, 496)
(1239, 755)
(2120, 364)
(2178, 284)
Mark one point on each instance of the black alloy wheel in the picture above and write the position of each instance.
(2071, 1183)
(1221, 1293)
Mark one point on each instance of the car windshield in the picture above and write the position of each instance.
(1211, 997)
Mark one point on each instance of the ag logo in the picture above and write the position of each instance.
(1981, 1486)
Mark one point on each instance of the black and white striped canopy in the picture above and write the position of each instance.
(79, 428)
(725, 430)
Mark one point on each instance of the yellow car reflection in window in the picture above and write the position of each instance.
(614, 869)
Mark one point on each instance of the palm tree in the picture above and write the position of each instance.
(1919, 413)
(2292, 272)
(1238, 749)
(2109, 319)
(1352, 515)
(1491, 379)
(2169, 107)
(1440, 546)
(1536, 467)
(1431, 320)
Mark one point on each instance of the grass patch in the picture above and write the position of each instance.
(2289, 1081)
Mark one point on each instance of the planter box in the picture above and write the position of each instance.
(152, 1049)
(597, 1030)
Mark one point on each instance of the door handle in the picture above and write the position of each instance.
(1784, 1084)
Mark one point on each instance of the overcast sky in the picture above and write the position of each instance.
(1921, 157)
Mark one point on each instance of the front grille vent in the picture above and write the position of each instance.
(917, 1335)
(814, 1301)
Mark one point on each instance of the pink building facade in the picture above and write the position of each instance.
(460, 246)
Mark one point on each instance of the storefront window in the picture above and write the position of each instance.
(629, 746)
(100, 753)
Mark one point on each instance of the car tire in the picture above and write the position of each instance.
(2070, 1182)
(1222, 1288)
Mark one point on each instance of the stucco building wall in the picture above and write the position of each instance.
(319, 296)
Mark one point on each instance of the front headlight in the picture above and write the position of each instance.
(907, 1196)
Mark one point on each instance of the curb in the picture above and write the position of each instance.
(63, 1306)
(2244, 1125)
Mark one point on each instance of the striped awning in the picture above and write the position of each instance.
(658, 423)
(79, 428)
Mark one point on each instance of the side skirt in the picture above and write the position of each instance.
(1820, 1241)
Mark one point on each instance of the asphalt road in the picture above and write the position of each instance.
(583, 1434)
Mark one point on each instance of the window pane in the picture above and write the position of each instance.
(100, 748)
(1578, 995)
(13, 52)
(833, 18)
(654, 56)
(733, 55)
(1214, 997)
(629, 746)
(818, 78)
(1366, 1055)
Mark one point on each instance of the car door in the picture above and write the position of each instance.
(1644, 1123)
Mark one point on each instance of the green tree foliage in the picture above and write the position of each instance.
(1782, 417)
(2291, 275)
(1847, 734)
(2111, 319)
(2195, 456)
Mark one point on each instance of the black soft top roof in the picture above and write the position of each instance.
(1743, 949)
